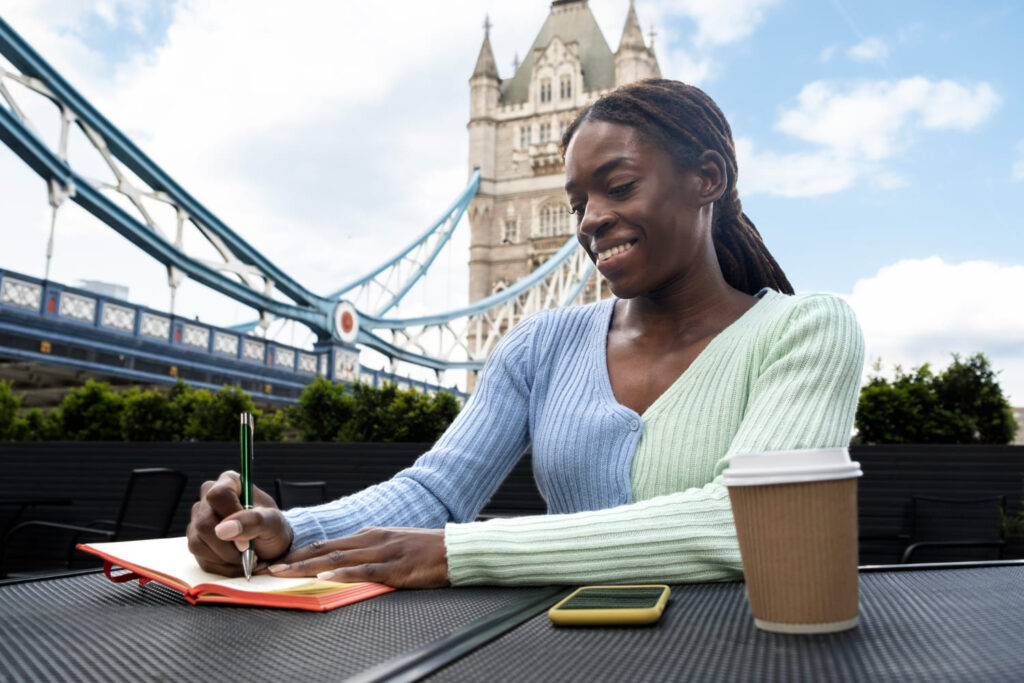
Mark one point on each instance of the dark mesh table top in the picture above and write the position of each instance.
(934, 625)
(87, 628)
(939, 625)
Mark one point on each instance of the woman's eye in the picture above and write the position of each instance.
(622, 189)
(577, 210)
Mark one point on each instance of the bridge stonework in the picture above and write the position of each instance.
(53, 337)
(519, 216)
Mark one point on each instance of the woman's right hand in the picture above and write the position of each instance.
(221, 528)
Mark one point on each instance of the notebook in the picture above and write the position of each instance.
(168, 561)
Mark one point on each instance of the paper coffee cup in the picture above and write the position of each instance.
(796, 520)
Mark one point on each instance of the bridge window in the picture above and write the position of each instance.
(545, 90)
(511, 232)
(565, 87)
(553, 220)
(545, 132)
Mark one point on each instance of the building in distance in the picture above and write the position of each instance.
(520, 216)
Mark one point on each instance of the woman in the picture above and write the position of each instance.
(632, 406)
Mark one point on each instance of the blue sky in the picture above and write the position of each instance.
(881, 144)
(956, 196)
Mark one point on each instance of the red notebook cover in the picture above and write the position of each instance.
(168, 561)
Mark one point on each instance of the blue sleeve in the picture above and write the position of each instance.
(455, 478)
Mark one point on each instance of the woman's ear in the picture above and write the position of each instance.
(713, 175)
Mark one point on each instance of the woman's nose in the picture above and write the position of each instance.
(597, 217)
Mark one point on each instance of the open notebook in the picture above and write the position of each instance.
(168, 561)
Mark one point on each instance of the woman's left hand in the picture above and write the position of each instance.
(399, 557)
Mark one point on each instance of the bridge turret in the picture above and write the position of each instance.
(484, 93)
(484, 98)
(634, 60)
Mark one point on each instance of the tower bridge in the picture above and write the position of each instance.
(523, 255)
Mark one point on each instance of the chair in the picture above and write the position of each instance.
(147, 510)
(955, 529)
(296, 494)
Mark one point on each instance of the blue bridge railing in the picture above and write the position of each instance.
(49, 322)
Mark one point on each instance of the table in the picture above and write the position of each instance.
(953, 624)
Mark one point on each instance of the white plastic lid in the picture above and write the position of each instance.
(788, 467)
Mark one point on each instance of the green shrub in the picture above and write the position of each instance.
(962, 404)
(326, 412)
(39, 426)
(9, 404)
(389, 414)
(91, 413)
(271, 426)
(151, 416)
(214, 417)
(324, 409)
(370, 420)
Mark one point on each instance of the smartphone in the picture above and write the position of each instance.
(611, 606)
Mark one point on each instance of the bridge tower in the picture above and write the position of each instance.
(519, 216)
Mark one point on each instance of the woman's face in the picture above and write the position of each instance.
(641, 219)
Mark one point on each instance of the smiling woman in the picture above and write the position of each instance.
(632, 406)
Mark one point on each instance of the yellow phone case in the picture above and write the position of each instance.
(610, 616)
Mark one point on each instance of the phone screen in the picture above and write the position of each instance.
(640, 597)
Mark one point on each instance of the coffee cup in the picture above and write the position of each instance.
(796, 521)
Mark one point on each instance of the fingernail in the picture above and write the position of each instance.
(228, 529)
(325, 576)
(242, 545)
(275, 568)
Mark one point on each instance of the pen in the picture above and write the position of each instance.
(249, 554)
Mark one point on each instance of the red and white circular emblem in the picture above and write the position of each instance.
(346, 322)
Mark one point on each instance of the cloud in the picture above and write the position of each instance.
(1017, 172)
(792, 175)
(686, 67)
(703, 26)
(827, 54)
(869, 50)
(920, 311)
(853, 130)
(277, 126)
(718, 23)
(871, 120)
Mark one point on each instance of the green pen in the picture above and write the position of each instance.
(246, 439)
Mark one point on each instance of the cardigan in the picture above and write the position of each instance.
(630, 497)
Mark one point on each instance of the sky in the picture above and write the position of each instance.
(880, 144)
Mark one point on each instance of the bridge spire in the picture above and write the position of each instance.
(485, 64)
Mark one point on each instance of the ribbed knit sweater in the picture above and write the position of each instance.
(630, 497)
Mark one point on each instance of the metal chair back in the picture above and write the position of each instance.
(149, 503)
(292, 494)
(955, 529)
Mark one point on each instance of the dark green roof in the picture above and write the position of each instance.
(571, 22)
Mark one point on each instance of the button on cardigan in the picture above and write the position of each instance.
(630, 497)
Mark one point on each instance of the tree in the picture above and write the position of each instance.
(334, 412)
(391, 414)
(9, 404)
(324, 408)
(151, 416)
(214, 417)
(962, 404)
(969, 390)
(39, 426)
(91, 413)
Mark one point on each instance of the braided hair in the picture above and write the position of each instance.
(685, 122)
